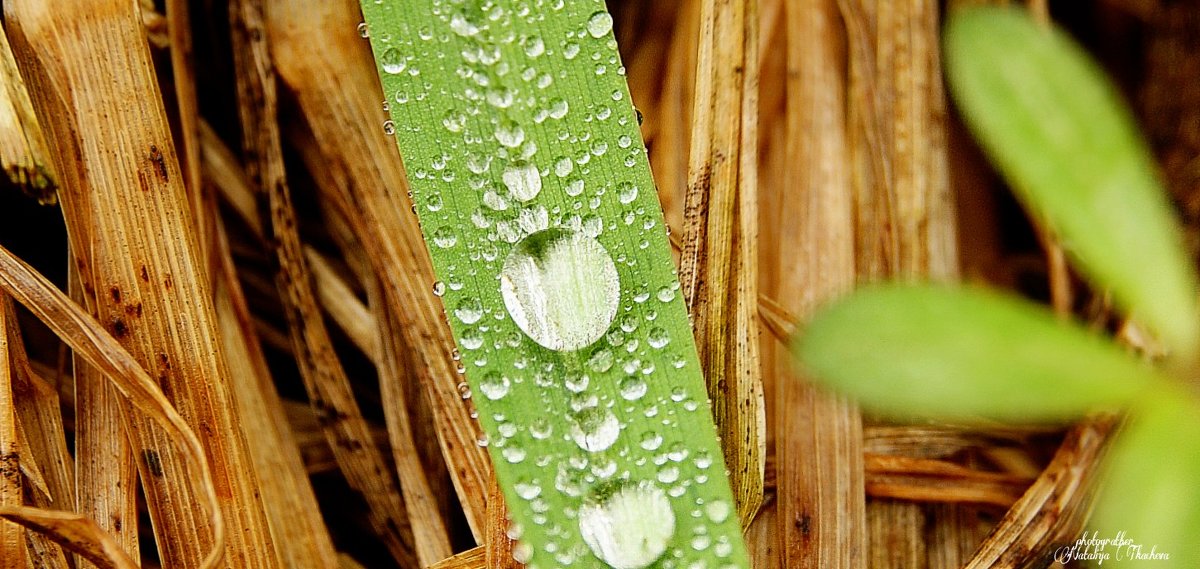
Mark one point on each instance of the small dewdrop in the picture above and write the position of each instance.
(595, 429)
(522, 180)
(599, 24)
(629, 528)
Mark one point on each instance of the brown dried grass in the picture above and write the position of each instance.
(268, 382)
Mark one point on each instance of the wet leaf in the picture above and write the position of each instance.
(531, 182)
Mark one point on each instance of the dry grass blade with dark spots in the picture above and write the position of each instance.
(101, 350)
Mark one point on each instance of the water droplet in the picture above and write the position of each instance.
(717, 510)
(513, 454)
(463, 27)
(599, 24)
(563, 166)
(476, 163)
(522, 552)
(439, 288)
(523, 180)
(558, 108)
(592, 225)
(471, 339)
(628, 528)
(666, 294)
(510, 134)
(494, 386)
(601, 361)
(534, 46)
(455, 121)
(392, 61)
(575, 383)
(444, 237)
(469, 310)
(595, 429)
(678, 452)
(362, 30)
(561, 288)
(527, 491)
(633, 388)
(651, 440)
(658, 338)
(668, 474)
(541, 429)
(494, 200)
(574, 186)
(627, 192)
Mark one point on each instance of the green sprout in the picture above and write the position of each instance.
(1061, 135)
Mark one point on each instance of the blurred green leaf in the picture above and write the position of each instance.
(1059, 131)
(1152, 489)
(965, 353)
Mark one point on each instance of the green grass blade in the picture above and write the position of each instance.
(531, 182)
(965, 353)
(1060, 133)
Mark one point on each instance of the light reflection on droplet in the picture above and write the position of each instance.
(561, 288)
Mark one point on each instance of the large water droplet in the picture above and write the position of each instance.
(628, 528)
(523, 180)
(599, 24)
(561, 288)
(595, 429)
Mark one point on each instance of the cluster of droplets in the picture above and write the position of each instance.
(544, 228)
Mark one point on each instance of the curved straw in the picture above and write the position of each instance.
(86, 336)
